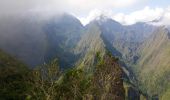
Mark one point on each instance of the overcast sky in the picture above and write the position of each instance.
(123, 11)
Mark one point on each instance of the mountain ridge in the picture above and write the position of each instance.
(141, 48)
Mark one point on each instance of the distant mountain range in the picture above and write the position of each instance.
(143, 49)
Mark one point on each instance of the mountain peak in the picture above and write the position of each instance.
(102, 18)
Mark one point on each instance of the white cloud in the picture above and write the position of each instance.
(145, 15)
(165, 18)
(83, 7)
(94, 14)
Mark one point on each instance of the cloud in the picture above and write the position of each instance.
(24, 6)
(147, 14)
(165, 18)
(73, 6)
(89, 8)
(94, 14)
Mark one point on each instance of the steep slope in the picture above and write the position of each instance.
(38, 39)
(144, 46)
(94, 43)
(90, 43)
(63, 33)
(153, 67)
(121, 41)
(125, 39)
(140, 31)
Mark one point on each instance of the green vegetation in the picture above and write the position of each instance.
(153, 68)
(87, 47)
(166, 94)
(47, 82)
(96, 73)
(13, 76)
(108, 82)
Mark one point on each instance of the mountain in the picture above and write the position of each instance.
(90, 43)
(95, 41)
(153, 64)
(125, 39)
(142, 49)
(62, 35)
(37, 39)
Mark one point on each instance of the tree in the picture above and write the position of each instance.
(44, 81)
(107, 80)
(75, 85)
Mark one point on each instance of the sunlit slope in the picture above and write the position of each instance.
(153, 67)
(89, 45)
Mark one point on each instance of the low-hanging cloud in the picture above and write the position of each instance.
(8, 7)
(89, 8)
(78, 7)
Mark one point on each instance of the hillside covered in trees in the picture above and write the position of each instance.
(48, 82)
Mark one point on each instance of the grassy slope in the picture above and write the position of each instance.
(154, 64)
(90, 44)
